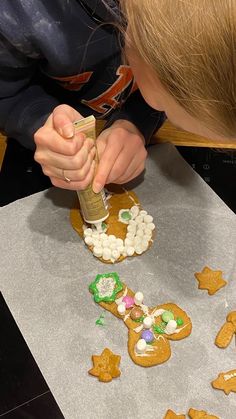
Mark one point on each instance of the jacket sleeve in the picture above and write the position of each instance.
(24, 104)
(137, 111)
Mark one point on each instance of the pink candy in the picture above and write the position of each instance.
(129, 301)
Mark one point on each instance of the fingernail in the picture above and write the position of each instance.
(97, 187)
(68, 131)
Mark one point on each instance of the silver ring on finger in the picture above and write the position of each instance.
(65, 177)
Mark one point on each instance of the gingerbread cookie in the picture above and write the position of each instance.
(149, 329)
(172, 415)
(200, 414)
(227, 331)
(210, 280)
(105, 366)
(128, 231)
(225, 381)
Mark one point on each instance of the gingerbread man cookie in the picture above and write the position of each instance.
(149, 329)
(200, 414)
(105, 366)
(128, 231)
(225, 381)
(210, 280)
(225, 334)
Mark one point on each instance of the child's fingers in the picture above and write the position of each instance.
(63, 117)
(106, 164)
(76, 175)
(128, 176)
(75, 185)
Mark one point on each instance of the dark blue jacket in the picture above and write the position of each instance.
(65, 51)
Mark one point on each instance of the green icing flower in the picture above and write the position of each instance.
(105, 287)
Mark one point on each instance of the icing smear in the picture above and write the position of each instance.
(229, 376)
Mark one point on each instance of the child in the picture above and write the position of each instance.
(182, 57)
(70, 53)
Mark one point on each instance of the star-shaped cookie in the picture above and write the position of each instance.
(210, 280)
(172, 415)
(105, 366)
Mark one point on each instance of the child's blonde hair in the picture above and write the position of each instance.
(191, 46)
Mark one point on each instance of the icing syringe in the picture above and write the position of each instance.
(93, 205)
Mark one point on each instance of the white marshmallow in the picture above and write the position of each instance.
(134, 211)
(98, 251)
(88, 232)
(128, 242)
(138, 249)
(88, 240)
(150, 226)
(119, 242)
(141, 346)
(115, 254)
(147, 322)
(148, 219)
(111, 238)
(171, 327)
(138, 298)
(130, 251)
(103, 236)
(105, 243)
(121, 308)
(143, 212)
(106, 254)
(139, 219)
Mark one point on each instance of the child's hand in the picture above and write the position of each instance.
(68, 159)
(122, 154)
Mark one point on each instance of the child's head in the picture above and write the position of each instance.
(183, 54)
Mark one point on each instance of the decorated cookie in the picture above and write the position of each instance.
(172, 415)
(149, 329)
(200, 414)
(227, 331)
(225, 381)
(128, 231)
(210, 280)
(105, 366)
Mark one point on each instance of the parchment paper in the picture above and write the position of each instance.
(46, 269)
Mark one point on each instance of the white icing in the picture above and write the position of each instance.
(119, 300)
(106, 286)
(122, 220)
(158, 312)
(138, 328)
(229, 376)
